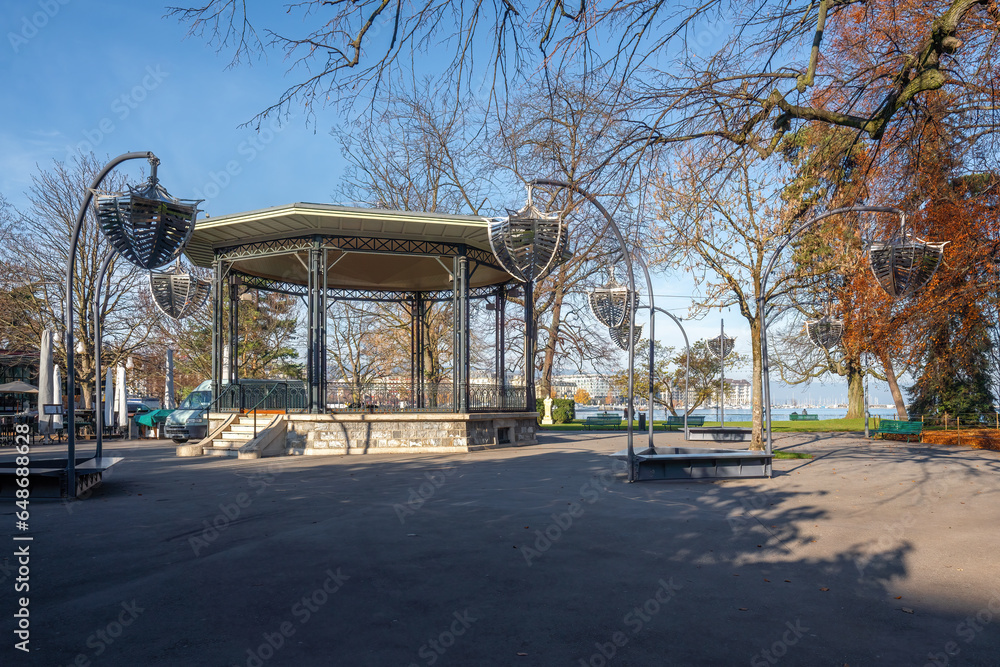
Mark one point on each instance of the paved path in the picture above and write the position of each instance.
(870, 554)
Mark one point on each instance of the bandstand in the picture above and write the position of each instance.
(323, 254)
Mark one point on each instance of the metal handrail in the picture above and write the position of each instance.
(264, 398)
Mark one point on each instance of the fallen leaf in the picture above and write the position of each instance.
(519, 653)
(906, 610)
(743, 609)
(899, 597)
(788, 581)
(768, 580)
(824, 588)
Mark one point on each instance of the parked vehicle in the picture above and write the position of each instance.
(190, 420)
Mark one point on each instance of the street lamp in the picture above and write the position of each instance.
(528, 244)
(825, 332)
(901, 267)
(629, 311)
(148, 227)
(619, 336)
(177, 293)
(612, 304)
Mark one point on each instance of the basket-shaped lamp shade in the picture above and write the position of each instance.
(619, 335)
(528, 243)
(178, 294)
(902, 267)
(611, 304)
(146, 226)
(825, 333)
(721, 347)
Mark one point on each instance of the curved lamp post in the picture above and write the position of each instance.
(901, 267)
(149, 228)
(631, 311)
(722, 347)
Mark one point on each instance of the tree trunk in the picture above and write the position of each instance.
(549, 356)
(855, 390)
(757, 378)
(897, 396)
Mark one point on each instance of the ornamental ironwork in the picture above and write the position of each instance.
(721, 346)
(147, 226)
(619, 335)
(529, 243)
(903, 266)
(825, 332)
(177, 293)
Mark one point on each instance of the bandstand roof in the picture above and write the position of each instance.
(368, 248)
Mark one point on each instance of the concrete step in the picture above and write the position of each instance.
(222, 443)
(237, 435)
(220, 451)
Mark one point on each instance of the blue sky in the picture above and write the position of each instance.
(114, 77)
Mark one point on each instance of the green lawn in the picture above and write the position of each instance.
(779, 426)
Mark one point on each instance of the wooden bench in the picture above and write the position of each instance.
(803, 418)
(897, 427)
(603, 419)
(674, 423)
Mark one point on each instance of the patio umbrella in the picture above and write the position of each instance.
(122, 399)
(57, 420)
(18, 387)
(168, 391)
(109, 397)
(44, 382)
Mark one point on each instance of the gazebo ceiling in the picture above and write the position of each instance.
(367, 248)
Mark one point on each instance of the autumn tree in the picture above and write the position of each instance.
(581, 396)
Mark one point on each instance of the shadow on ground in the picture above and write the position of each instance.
(537, 556)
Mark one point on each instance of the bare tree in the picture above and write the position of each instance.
(743, 72)
(723, 231)
(40, 252)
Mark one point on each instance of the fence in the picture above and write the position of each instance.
(383, 397)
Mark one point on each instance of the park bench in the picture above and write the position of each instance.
(897, 427)
(678, 422)
(802, 418)
(603, 419)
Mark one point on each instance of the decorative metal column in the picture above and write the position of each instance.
(316, 360)
(531, 404)
(218, 290)
(234, 333)
(460, 271)
(501, 339)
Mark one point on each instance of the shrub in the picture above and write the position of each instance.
(563, 409)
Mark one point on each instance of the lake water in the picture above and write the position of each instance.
(737, 415)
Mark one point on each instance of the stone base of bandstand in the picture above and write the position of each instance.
(403, 433)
